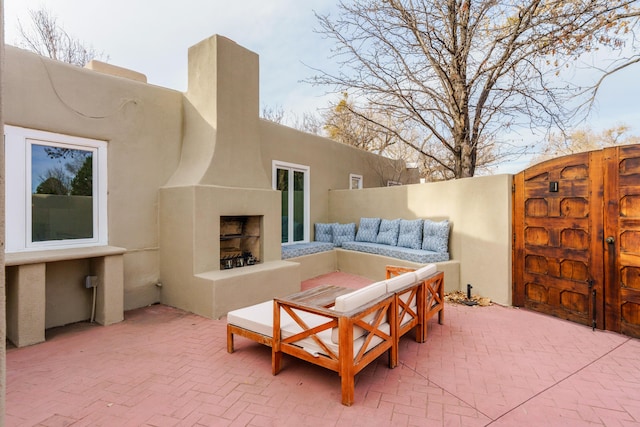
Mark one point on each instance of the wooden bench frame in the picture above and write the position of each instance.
(345, 362)
(254, 336)
(429, 297)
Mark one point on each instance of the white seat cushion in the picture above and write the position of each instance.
(360, 297)
(401, 281)
(256, 318)
(355, 299)
(426, 271)
(259, 318)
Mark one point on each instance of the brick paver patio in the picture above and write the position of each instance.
(494, 365)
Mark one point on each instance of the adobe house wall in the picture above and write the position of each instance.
(142, 125)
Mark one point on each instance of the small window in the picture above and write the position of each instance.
(355, 181)
(56, 190)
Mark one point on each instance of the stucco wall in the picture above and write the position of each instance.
(479, 210)
(143, 127)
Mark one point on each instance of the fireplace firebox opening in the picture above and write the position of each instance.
(240, 243)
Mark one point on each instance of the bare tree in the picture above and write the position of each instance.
(369, 129)
(308, 122)
(460, 72)
(581, 140)
(47, 37)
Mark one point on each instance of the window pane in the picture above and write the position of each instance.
(61, 193)
(298, 206)
(283, 186)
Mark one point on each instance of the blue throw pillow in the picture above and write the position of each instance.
(324, 232)
(410, 233)
(368, 230)
(343, 233)
(388, 233)
(436, 236)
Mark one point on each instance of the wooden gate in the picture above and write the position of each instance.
(576, 223)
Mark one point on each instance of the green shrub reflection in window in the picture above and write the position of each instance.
(62, 193)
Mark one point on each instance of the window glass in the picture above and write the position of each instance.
(61, 193)
(355, 181)
(293, 183)
(298, 206)
(283, 186)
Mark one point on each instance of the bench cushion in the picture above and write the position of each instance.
(426, 271)
(299, 249)
(323, 232)
(410, 233)
(355, 299)
(344, 233)
(256, 318)
(435, 236)
(368, 230)
(388, 232)
(398, 282)
(413, 255)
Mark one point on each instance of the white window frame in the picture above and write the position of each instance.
(355, 177)
(18, 142)
(293, 167)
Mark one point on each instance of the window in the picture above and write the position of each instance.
(56, 190)
(355, 181)
(293, 182)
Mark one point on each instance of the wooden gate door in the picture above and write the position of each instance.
(557, 224)
(622, 239)
(577, 238)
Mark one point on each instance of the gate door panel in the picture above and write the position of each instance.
(622, 241)
(557, 246)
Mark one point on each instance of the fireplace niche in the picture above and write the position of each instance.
(240, 243)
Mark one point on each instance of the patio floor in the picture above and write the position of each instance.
(492, 365)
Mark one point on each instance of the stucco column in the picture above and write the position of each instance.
(110, 290)
(26, 304)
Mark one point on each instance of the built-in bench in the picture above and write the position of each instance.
(377, 242)
(408, 254)
(307, 248)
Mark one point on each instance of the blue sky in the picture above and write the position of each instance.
(153, 36)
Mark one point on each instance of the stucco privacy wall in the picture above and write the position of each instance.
(142, 125)
(480, 212)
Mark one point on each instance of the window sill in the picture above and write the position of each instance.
(36, 257)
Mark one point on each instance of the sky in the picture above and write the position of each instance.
(153, 36)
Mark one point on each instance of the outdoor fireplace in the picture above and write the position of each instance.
(240, 241)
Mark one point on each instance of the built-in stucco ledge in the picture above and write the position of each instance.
(244, 286)
(53, 255)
